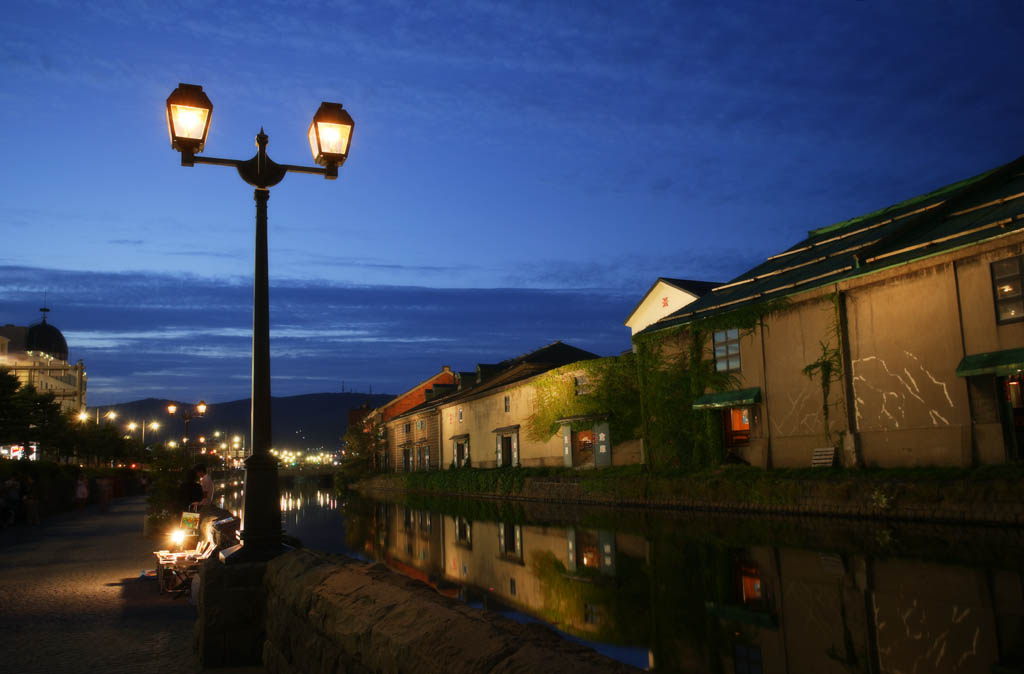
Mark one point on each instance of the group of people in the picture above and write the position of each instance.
(19, 501)
(196, 489)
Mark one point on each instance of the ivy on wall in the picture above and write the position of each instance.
(612, 391)
(828, 368)
(674, 369)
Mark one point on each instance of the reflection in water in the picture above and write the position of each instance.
(655, 598)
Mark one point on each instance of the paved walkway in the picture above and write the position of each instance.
(71, 599)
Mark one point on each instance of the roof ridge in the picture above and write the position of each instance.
(941, 191)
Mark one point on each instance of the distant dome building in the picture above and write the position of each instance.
(43, 338)
(38, 356)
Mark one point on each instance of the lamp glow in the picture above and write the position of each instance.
(178, 536)
(330, 134)
(188, 118)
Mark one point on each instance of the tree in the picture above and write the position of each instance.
(359, 445)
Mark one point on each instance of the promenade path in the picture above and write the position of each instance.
(71, 599)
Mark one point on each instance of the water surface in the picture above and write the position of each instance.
(694, 592)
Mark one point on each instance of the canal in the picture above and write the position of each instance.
(696, 592)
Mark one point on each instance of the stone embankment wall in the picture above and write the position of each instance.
(330, 614)
(883, 501)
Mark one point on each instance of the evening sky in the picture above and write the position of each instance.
(520, 171)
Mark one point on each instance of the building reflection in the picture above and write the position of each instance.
(703, 607)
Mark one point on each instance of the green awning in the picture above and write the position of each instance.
(711, 401)
(998, 363)
(741, 614)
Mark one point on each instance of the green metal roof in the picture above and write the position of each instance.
(999, 363)
(952, 217)
(710, 401)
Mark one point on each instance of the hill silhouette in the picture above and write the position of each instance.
(298, 422)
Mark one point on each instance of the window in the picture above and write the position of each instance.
(737, 426)
(460, 415)
(508, 404)
(512, 586)
(727, 350)
(1006, 283)
(461, 451)
(747, 659)
(510, 541)
(407, 428)
(463, 532)
(582, 385)
(751, 590)
(420, 425)
(589, 614)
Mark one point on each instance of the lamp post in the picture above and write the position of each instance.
(188, 122)
(187, 413)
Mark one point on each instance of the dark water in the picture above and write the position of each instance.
(703, 593)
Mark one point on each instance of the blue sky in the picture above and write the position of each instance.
(520, 172)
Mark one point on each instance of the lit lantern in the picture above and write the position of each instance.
(201, 408)
(188, 118)
(330, 134)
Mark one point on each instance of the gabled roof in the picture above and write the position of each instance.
(967, 212)
(695, 288)
(510, 372)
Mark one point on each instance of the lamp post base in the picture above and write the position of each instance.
(261, 514)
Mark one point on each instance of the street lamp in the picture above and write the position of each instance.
(187, 413)
(189, 112)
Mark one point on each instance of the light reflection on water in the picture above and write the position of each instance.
(702, 594)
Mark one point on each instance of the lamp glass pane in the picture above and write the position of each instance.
(189, 122)
(312, 143)
(334, 137)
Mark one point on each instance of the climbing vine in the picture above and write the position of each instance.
(673, 371)
(828, 368)
(600, 387)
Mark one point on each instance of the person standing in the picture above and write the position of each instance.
(81, 491)
(206, 482)
(30, 496)
(189, 491)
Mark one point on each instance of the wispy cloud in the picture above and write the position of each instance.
(384, 337)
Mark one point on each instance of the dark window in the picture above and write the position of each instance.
(747, 659)
(512, 586)
(589, 614)
(582, 385)
(463, 532)
(407, 428)
(510, 538)
(727, 350)
(737, 426)
(508, 404)
(1006, 283)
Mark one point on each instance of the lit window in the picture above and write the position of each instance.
(727, 350)
(460, 415)
(737, 426)
(1006, 283)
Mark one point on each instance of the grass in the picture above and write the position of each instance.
(880, 488)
